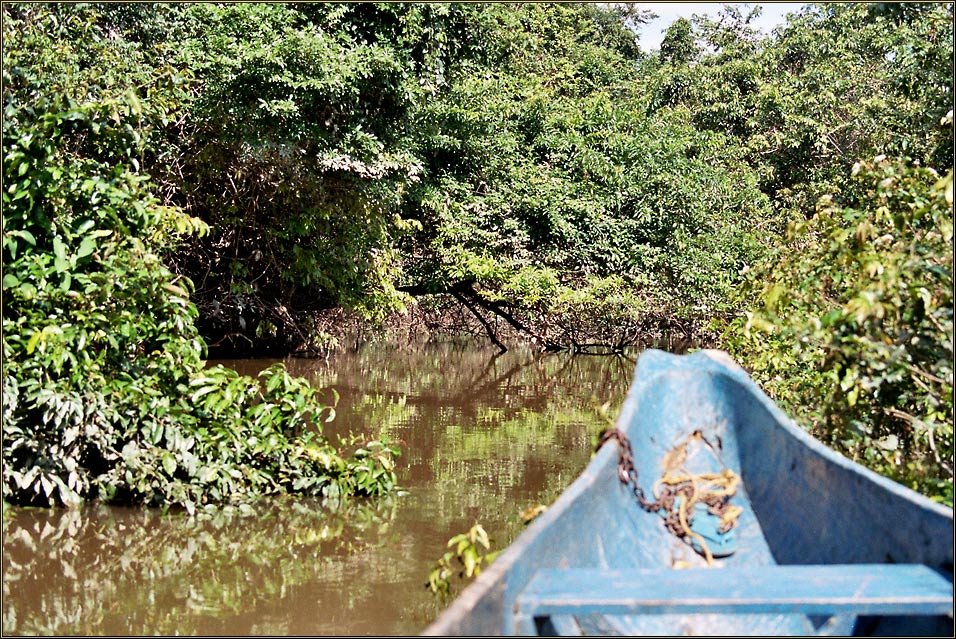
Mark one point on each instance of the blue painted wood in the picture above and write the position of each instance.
(870, 589)
(801, 504)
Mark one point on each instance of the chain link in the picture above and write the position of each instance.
(625, 467)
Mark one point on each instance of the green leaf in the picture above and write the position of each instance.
(60, 262)
(470, 559)
(169, 464)
(87, 246)
(202, 391)
(32, 343)
(482, 536)
(274, 380)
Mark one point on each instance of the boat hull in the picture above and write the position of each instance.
(801, 504)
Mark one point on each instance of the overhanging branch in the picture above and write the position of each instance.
(474, 311)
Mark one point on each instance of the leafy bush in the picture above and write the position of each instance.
(102, 368)
(850, 330)
(292, 153)
(855, 331)
(550, 164)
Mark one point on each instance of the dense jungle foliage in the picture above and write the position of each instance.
(177, 175)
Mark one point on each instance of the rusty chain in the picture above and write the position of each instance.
(686, 487)
(625, 467)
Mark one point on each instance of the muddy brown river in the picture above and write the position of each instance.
(484, 436)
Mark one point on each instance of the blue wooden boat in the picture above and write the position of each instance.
(795, 539)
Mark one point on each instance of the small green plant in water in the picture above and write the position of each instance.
(469, 556)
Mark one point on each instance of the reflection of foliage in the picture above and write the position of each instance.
(507, 408)
(470, 557)
(100, 571)
(485, 434)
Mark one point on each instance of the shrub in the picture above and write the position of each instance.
(855, 329)
(105, 391)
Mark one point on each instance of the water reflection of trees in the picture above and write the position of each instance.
(485, 436)
(454, 376)
(495, 425)
(460, 375)
(498, 425)
(107, 570)
(497, 430)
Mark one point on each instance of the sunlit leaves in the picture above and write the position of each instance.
(863, 298)
(105, 391)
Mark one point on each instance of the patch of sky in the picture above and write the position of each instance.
(773, 14)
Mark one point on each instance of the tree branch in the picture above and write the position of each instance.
(474, 311)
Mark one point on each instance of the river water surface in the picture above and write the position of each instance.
(483, 437)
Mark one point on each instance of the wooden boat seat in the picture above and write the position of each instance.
(849, 589)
